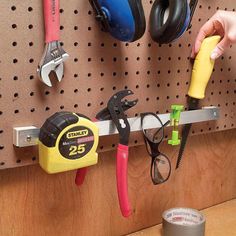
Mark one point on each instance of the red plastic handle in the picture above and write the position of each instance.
(80, 176)
(52, 20)
(81, 173)
(121, 178)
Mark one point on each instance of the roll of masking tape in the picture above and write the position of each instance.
(183, 222)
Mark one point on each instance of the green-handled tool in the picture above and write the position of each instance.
(201, 73)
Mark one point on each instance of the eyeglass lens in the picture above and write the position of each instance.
(160, 169)
(160, 165)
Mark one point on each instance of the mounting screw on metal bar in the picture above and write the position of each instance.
(28, 138)
(215, 112)
(25, 136)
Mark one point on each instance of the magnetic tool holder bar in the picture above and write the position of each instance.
(28, 135)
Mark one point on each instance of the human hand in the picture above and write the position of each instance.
(223, 23)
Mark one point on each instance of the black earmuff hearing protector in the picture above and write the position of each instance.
(124, 19)
(178, 21)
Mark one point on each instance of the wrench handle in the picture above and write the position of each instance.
(121, 178)
(51, 20)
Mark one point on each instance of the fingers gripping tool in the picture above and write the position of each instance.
(54, 55)
(201, 74)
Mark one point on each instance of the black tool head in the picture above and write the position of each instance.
(118, 116)
(104, 114)
(114, 104)
(117, 97)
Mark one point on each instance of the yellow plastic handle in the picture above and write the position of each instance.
(202, 68)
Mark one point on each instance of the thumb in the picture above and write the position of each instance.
(220, 48)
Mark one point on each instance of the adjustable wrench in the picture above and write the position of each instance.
(54, 55)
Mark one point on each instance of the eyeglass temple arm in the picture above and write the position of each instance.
(167, 123)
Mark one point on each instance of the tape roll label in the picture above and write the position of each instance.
(76, 142)
(184, 217)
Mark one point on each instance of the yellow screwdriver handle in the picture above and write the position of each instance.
(202, 68)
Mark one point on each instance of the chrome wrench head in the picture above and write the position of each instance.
(52, 60)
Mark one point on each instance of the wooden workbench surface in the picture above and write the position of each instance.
(220, 221)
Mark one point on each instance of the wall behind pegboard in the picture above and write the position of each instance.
(99, 66)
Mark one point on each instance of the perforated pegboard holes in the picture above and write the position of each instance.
(98, 67)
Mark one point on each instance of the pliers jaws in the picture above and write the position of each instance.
(52, 60)
(116, 109)
(105, 113)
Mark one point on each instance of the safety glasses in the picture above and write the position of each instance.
(160, 164)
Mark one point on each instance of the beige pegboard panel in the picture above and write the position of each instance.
(98, 67)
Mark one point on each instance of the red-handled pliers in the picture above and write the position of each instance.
(115, 111)
(104, 114)
(120, 120)
(54, 55)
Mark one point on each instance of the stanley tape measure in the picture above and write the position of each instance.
(67, 141)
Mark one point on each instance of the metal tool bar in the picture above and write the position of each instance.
(28, 136)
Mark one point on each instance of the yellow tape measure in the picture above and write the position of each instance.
(67, 141)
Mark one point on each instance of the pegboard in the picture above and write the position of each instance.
(99, 66)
